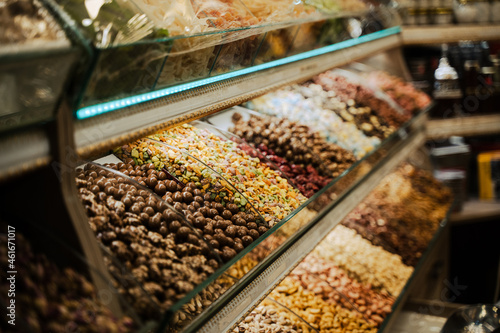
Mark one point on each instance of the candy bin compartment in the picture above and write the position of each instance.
(336, 288)
(320, 314)
(36, 61)
(145, 235)
(271, 315)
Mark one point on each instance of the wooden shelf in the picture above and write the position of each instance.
(475, 210)
(465, 126)
(449, 34)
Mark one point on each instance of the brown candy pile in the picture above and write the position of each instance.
(152, 241)
(296, 143)
(227, 229)
(50, 299)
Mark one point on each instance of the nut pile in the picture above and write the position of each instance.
(370, 223)
(152, 241)
(269, 193)
(319, 314)
(272, 318)
(297, 143)
(295, 103)
(364, 261)
(200, 302)
(412, 198)
(51, 299)
(373, 305)
(348, 90)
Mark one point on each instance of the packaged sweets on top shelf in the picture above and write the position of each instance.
(225, 14)
(280, 10)
(333, 6)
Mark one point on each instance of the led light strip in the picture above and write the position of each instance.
(94, 110)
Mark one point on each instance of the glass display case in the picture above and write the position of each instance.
(224, 214)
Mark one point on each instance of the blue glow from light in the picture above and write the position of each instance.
(90, 111)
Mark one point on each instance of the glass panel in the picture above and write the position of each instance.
(275, 45)
(200, 302)
(307, 37)
(182, 67)
(35, 59)
(125, 71)
(108, 23)
(237, 54)
(332, 32)
(147, 236)
(374, 306)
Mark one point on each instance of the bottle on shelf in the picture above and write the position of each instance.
(447, 92)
